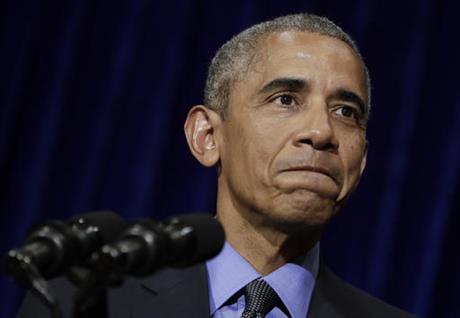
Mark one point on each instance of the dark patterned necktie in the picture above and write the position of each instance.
(260, 299)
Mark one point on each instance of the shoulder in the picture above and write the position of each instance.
(32, 306)
(169, 293)
(67, 295)
(337, 298)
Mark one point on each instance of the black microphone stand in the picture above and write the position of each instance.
(91, 298)
(91, 303)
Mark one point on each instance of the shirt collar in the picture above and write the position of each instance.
(228, 272)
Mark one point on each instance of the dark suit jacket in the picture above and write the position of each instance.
(184, 293)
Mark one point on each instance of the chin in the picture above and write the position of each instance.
(303, 209)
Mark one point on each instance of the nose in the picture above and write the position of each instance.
(317, 130)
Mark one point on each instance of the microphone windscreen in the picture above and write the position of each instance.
(109, 224)
(208, 234)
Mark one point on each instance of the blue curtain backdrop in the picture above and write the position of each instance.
(93, 95)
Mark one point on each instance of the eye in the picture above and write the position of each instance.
(347, 111)
(285, 100)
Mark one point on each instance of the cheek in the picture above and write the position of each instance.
(353, 154)
(268, 141)
(245, 151)
(253, 144)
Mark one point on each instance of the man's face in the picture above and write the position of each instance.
(293, 143)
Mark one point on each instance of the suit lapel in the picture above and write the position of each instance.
(323, 303)
(174, 293)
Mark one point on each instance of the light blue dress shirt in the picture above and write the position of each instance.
(229, 272)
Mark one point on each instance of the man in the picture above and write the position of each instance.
(284, 121)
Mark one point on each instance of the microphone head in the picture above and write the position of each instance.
(55, 246)
(108, 224)
(147, 246)
(206, 232)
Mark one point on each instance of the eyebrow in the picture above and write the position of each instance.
(349, 96)
(293, 84)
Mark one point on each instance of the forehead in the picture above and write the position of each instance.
(315, 43)
(316, 58)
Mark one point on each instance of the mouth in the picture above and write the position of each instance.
(320, 170)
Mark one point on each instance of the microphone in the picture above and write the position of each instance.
(55, 246)
(147, 246)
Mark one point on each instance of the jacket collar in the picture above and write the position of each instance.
(176, 293)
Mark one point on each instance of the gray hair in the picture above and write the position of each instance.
(234, 58)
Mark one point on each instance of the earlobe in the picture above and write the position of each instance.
(200, 132)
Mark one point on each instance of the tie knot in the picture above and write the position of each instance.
(260, 299)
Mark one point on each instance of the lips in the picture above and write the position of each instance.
(316, 169)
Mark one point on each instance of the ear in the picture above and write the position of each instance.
(200, 130)
(364, 160)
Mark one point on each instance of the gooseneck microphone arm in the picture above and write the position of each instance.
(38, 285)
(146, 246)
(54, 247)
(74, 248)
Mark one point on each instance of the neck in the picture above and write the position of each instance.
(262, 243)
